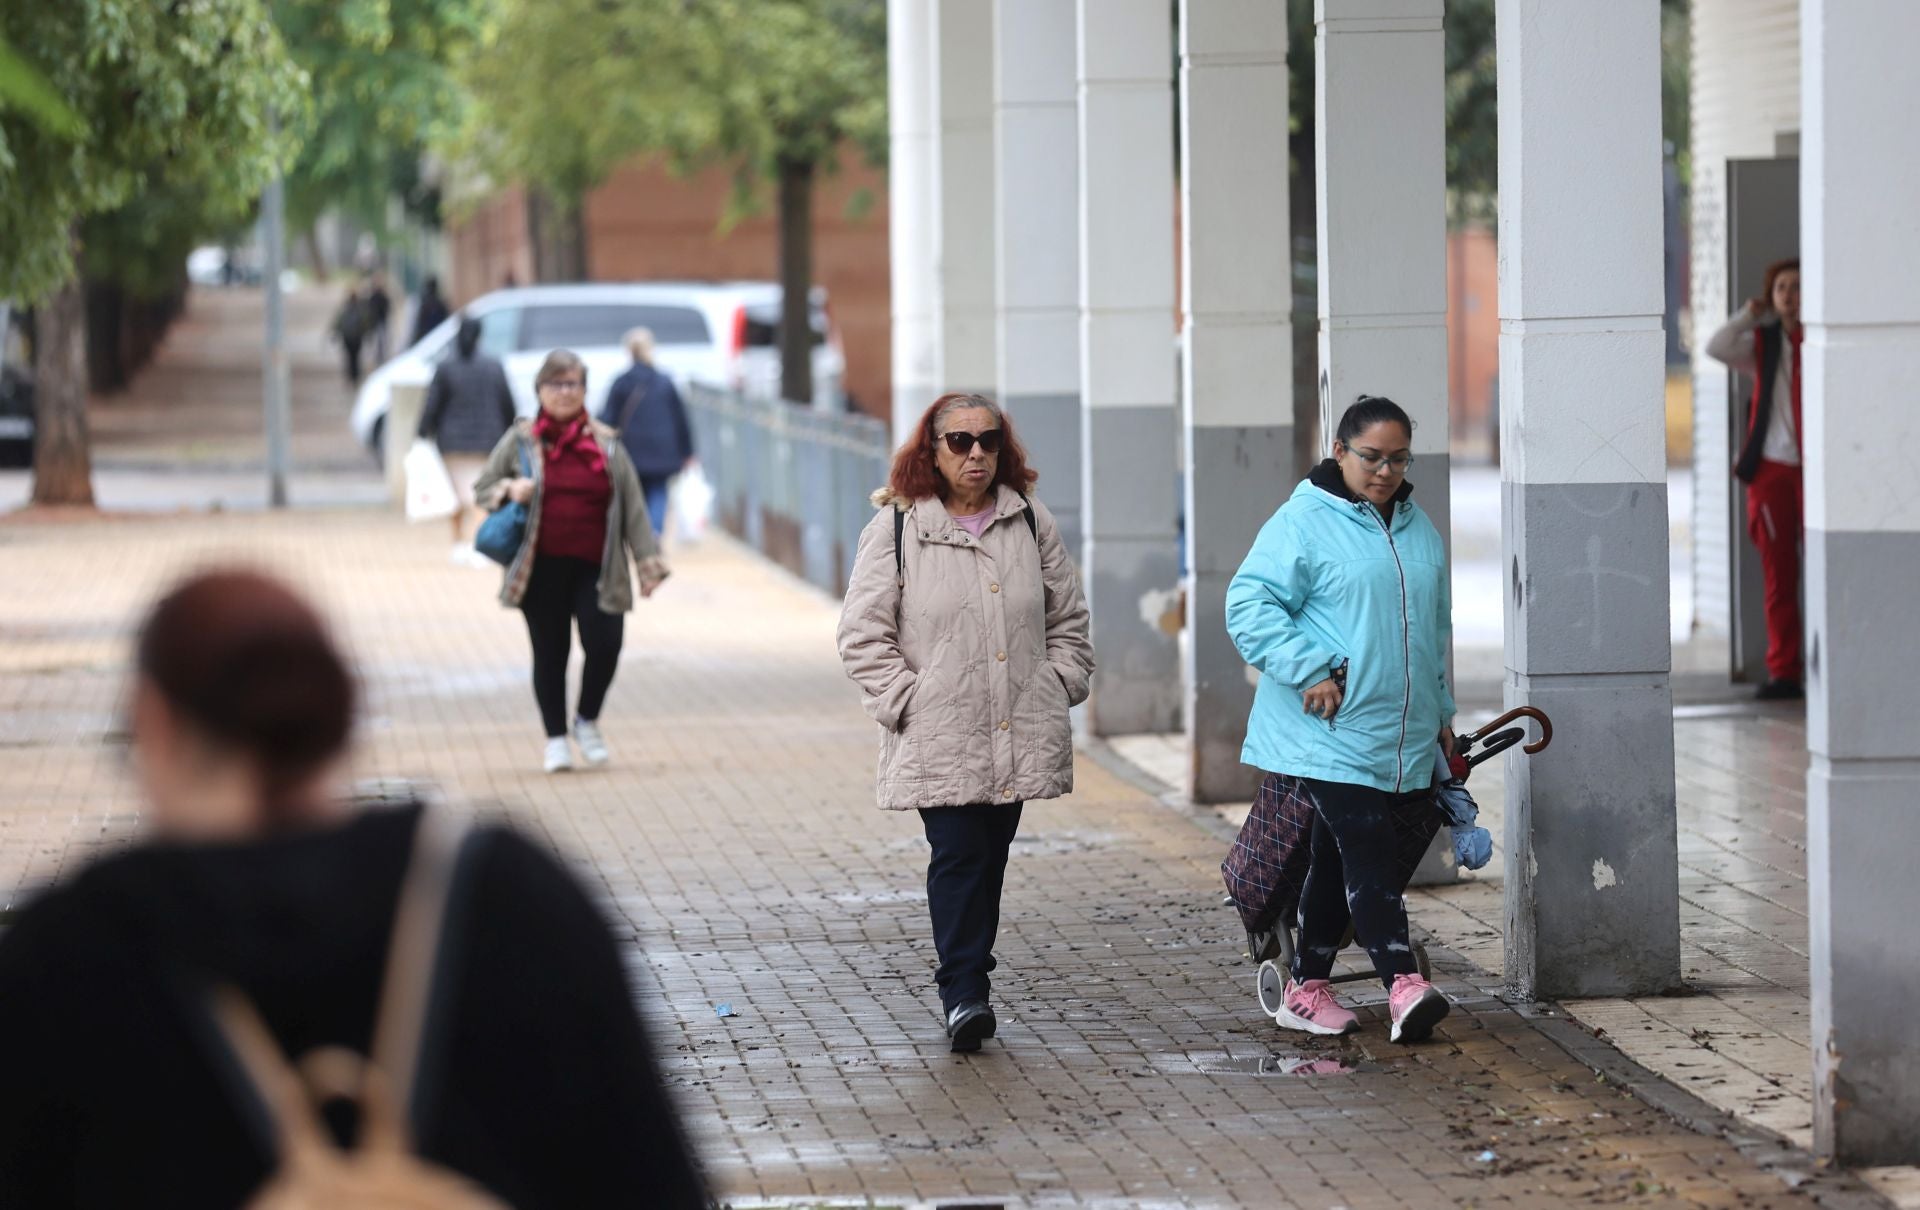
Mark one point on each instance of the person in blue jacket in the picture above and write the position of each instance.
(645, 406)
(1343, 607)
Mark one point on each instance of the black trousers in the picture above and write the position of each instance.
(561, 594)
(1356, 877)
(964, 879)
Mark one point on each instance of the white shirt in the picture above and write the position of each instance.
(1733, 344)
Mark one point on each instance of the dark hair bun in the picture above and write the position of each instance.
(248, 661)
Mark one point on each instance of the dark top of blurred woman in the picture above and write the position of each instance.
(537, 1079)
(469, 406)
(429, 312)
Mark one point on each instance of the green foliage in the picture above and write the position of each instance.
(383, 88)
(25, 89)
(175, 95)
(567, 90)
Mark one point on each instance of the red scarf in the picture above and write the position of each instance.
(572, 436)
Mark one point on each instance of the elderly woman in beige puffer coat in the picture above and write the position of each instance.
(966, 630)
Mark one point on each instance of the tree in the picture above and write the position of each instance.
(383, 87)
(780, 87)
(564, 92)
(176, 93)
(775, 88)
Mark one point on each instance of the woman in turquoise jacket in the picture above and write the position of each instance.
(1343, 607)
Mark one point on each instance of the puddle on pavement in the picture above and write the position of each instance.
(1272, 1063)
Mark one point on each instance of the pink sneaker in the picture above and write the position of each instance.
(1310, 1006)
(1417, 1006)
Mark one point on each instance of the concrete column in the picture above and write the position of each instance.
(1037, 204)
(1380, 157)
(1237, 295)
(910, 210)
(1129, 443)
(1860, 243)
(966, 272)
(1592, 887)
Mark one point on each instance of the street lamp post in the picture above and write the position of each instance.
(273, 233)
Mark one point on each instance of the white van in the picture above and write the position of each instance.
(718, 333)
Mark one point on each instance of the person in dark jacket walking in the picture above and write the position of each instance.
(429, 312)
(645, 408)
(537, 1080)
(380, 308)
(350, 325)
(469, 408)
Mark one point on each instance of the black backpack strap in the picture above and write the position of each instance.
(899, 555)
(1026, 514)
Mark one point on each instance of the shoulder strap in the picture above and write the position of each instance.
(899, 555)
(383, 1088)
(1026, 514)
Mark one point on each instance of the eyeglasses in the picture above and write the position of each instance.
(564, 384)
(960, 442)
(1371, 459)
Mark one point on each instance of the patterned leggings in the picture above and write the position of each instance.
(1357, 877)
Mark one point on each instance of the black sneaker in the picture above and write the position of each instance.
(969, 1024)
(1780, 691)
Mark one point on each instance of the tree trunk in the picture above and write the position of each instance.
(107, 315)
(314, 253)
(557, 229)
(796, 281)
(62, 462)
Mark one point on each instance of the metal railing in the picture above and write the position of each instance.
(790, 482)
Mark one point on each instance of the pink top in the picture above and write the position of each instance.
(977, 523)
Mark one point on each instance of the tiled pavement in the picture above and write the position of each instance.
(1738, 1039)
(735, 847)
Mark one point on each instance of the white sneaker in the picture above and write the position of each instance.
(593, 746)
(559, 755)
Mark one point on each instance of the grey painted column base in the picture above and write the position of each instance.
(1433, 491)
(1132, 569)
(1592, 879)
(1049, 426)
(1863, 829)
(1241, 474)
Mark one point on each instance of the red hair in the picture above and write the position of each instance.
(916, 475)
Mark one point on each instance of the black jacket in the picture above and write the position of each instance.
(469, 405)
(645, 406)
(539, 1082)
(429, 314)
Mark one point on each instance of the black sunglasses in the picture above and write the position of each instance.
(961, 442)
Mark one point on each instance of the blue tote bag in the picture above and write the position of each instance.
(502, 533)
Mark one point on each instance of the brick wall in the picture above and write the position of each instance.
(646, 224)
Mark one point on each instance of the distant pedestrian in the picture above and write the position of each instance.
(644, 407)
(380, 314)
(429, 312)
(1343, 607)
(586, 515)
(262, 897)
(351, 324)
(966, 630)
(469, 408)
(1762, 340)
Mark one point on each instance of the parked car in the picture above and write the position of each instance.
(718, 333)
(16, 388)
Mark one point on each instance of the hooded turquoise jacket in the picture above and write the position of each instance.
(1327, 580)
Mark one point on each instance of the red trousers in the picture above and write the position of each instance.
(1774, 520)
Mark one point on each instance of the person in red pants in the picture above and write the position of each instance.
(1763, 340)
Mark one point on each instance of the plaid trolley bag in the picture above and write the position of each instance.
(1266, 869)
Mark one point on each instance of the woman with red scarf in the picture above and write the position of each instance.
(586, 514)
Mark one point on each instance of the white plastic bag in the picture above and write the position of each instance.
(430, 493)
(690, 504)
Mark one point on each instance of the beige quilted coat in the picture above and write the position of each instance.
(968, 666)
